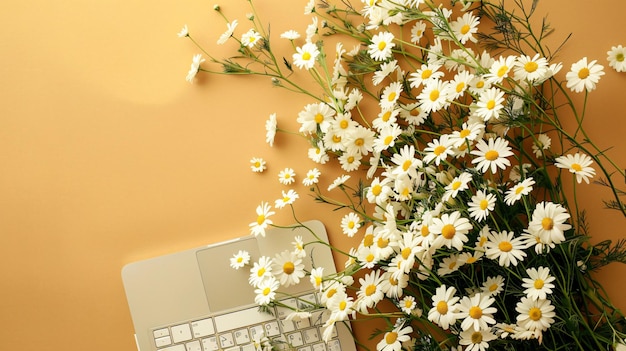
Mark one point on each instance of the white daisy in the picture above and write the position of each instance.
(266, 291)
(434, 96)
(257, 164)
(270, 129)
(477, 312)
(228, 33)
(578, 164)
(490, 103)
(250, 38)
(315, 116)
(535, 314)
(288, 268)
(387, 138)
(379, 191)
(407, 304)
(584, 75)
(340, 306)
(290, 35)
(518, 190)
(481, 205)
(195, 67)
(450, 230)
(492, 154)
(305, 56)
(464, 27)
(288, 198)
(476, 340)
(417, 31)
(184, 32)
(548, 222)
(530, 69)
(383, 71)
(539, 283)
(459, 183)
(444, 307)
(318, 154)
(393, 340)
(616, 57)
(390, 95)
(426, 73)
(438, 150)
(370, 292)
(287, 176)
(505, 248)
(381, 46)
(350, 160)
(260, 271)
(500, 69)
(493, 285)
(540, 144)
(311, 177)
(339, 181)
(350, 224)
(240, 259)
(263, 212)
(317, 278)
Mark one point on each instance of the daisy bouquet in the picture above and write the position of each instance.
(459, 175)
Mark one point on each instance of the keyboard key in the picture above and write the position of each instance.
(248, 347)
(271, 329)
(242, 336)
(320, 346)
(256, 332)
(311, 335)
(210, 344)
(305, 348)
(202, 328)
(234, 320)
(295, 339)
(288, 326)
(179, 347)
(226, 340)
(234, 348)
(303, 323)
(163, 341)
(159, 333)
(181, 333)
(193, 346)
(334, 345)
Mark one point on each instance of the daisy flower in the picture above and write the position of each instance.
(548, 222)
(383, 71)
(240, 259)
(184, 32)
(340, 306)
(459, 84)
(370, 292)
(288, 198)
(298, 247)
(505, 248)
(381, 46)
(257, 164)
(306, 55)
(477, 312)
(465, 27)
(438, 150)
(350, 160)
(379, 191)
(287, 176)
(407, 304)
(530, 69)
(263, 212)
(387, 138)
(339, 181)
(311, 177)
(584, 75)
(489, 104)
(518, 190)
(260, 271)
(519, 171)
(448, 265)
(417, 31)
(289, 268)
(392, 340)
(195, 67)
(452, 230)
(406, 162)
(459, 183)
(390, 95)
(535, 314)
(290, 35)
(492, 154)
(314, 116)
(539, 283)
(541, 143)
(476, 340)
(350, 224)
(271, 126)
(318, 154)
(578, 164)
(434, 96)
(250, 38)
(500, 69)
(427, 72)
(493, 285)
(266, 291)
(616, 58)
(444, 307)
(481, 205)
(361, 139)
(228, 33)
(317, 278)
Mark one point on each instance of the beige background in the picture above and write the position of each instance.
(109, 156)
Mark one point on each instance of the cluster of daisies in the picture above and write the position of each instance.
(460, 219)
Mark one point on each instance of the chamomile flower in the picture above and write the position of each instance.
(350, 160)
(257, 164)
(306, 55)
(477, 312)
(360, 139)
(290, 35)
(383, 71)
(370, 292)
(438, 150)
(407, 304)
(263, 212)
(444, 307)
(260, 271)
(493, 285)
(578, 164)
(312, 177)
(459, 183)
(540, 144)
(228, 33)
(266, 291)
(584, 75)
(434, 96)
(184, 32)
(490, 103)
(531, 69)
(617, 58)
(341, 306)
(350, 224)
(288, 268)
(518, 190)
(271, 126)
(288, 198)
(427, 72)
(464, 27)
(287, 176)
(318, 154)
(387, 138)
(250, 38)
(539, 283)
(450, 230)
(381, 46)
(379, 191)
(339, 181)
(548, 222)
(298, 247)
(417, 31)
(195, 67)
(505, 248)
(535, 314)
(317, 278)
(392, 340)
(500, 69)
(314, 116)
(481, 205)
(492, 154)
(390, 95)
(240, 259)
(476, 340)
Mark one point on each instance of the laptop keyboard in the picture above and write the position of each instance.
(238, 330)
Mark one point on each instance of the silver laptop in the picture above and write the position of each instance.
(194, 301)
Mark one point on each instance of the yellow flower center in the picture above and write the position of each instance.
(440, 149)
(491, 104)
(408, 303)
(393, 281)
(257, 164)
(330, 293)
(370, 290)
(477, 337)
(619, 57)
(306, 56)
(343, 124)
(534, 314)
(448, 231)
(336, 138)
(386, 116)
(350, 159)
(492, 155)
(351, 224)
(391, 338)
(260, 219)
(471, 260)
(505, 246)
(452, 265)
(502, 71)
(318, 281)
(538, 283)
(484, 204)
(288, 268)
(260, 272)
(475, 312)
(480, 84)
(519, 190)
(493, 287)
(583, 73)
(460, 87)
(382, 45)
(377, 189)
(465, 29)
(368, 240)
(425, 231)
(382, 243)
(465, 133)
(406, 253)
(531, 66)
(370, 257)
(434, 95)
(456, 185)
(391, 96)
(239, 259)
(547, 223)
(442, 307)
(576, 167)
(406, 165)
(286, 199)
(359, 142)
(319, 118)
(426, 73)
(388, 139)
(267, 291)
(343, 305)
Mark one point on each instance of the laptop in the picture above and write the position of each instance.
(194, 301)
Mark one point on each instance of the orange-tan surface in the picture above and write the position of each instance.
(108, 156)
